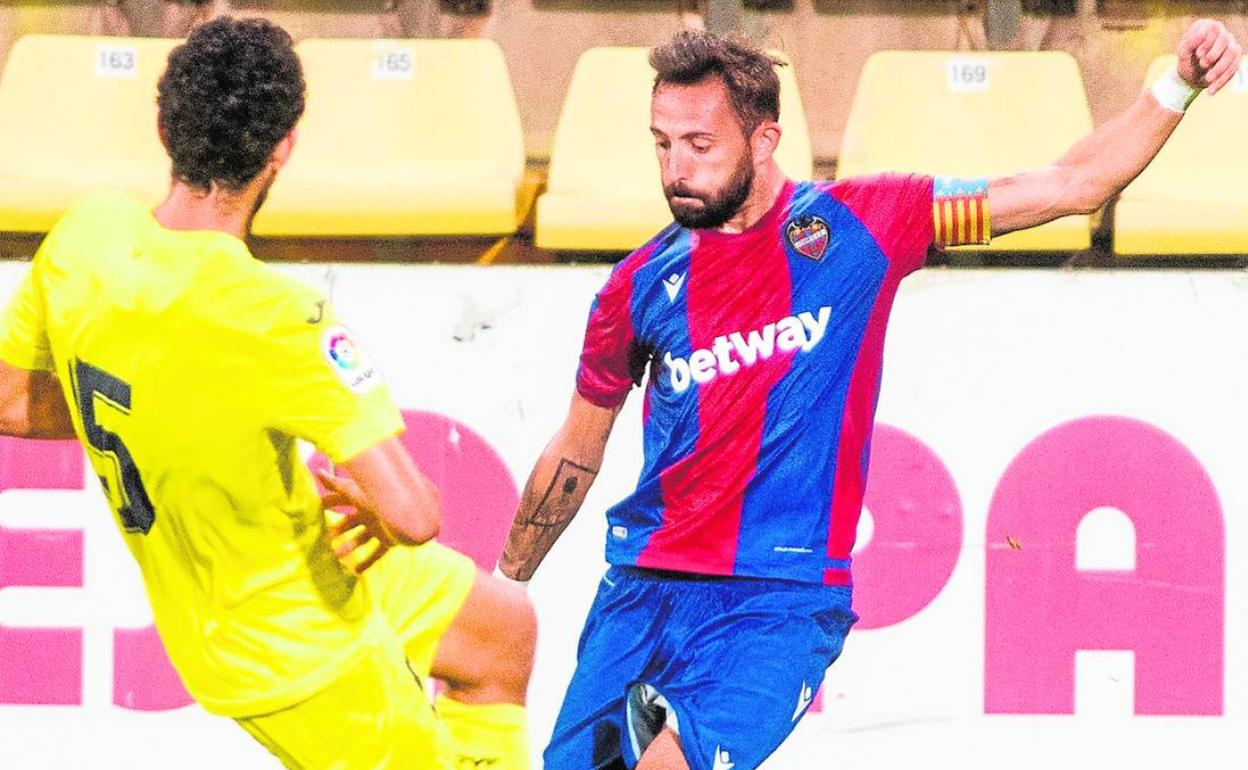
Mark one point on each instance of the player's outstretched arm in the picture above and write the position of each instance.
(1101, 164)
(557, 486)
(32, 404)
(391, 497)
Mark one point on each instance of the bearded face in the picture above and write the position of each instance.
(704, 155)
(711, 208)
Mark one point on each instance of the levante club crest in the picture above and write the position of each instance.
(808, 236)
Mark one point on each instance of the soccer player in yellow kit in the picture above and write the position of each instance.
(189, 371)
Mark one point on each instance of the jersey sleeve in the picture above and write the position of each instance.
(323, 387)
(909, 214)
(897, 210)
(23, 327)
(607, 366)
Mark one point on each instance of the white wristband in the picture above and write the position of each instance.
(498, 573)
(1173, 92)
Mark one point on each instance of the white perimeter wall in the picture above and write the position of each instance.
(997, 631)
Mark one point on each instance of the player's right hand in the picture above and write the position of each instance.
(355, 531)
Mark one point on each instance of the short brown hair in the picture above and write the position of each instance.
(747, 72)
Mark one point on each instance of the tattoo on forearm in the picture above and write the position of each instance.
(542, 519)
(562, 494)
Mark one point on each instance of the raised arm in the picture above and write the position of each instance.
(1101, 164)
(557, 486)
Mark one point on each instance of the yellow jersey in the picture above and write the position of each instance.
(191, 370)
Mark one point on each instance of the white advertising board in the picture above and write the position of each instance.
(1053, 571)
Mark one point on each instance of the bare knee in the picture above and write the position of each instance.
(486, 656)
(514, 637)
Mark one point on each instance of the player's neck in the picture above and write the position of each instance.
(768, 183)
(186, 208)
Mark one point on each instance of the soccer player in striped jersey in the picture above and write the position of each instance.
(189, 371)
(757, 322)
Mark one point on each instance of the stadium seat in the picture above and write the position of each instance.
(401, 138)
(78, 114)
(970, 114)
(604, 190)
(1193, 197)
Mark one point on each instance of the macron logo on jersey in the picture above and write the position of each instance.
(804, 699)
(802, 331)
(673, 283)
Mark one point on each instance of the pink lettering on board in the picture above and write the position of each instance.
(40, 665)
(143, 677)
(917, 513)
(1040, 609)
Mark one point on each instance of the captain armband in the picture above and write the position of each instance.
(960, 212)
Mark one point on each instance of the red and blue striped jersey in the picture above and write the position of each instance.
(763, 351)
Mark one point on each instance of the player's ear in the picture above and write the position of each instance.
(764, 140)
(284, 147)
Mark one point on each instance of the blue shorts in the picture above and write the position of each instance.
(732, 663)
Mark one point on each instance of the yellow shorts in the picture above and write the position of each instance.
(375, 716)
(420, 591)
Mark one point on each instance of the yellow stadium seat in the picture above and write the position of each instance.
(78, 114)
(401, 138)
(970, 114)
(1193, 197)
(604, 190)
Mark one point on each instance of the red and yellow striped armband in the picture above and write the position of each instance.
(960, 212)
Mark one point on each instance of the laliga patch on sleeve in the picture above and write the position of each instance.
(348, 360)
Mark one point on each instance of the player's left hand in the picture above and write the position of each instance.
(1209, 55)
(355, 531)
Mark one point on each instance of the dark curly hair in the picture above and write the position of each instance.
(228, 96)
(747, 72)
